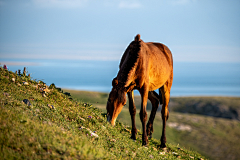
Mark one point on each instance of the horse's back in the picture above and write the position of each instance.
(161, 49)
(160, 64)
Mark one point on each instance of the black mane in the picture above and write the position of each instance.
(131, 61)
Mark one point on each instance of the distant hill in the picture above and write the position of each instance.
(224, 107)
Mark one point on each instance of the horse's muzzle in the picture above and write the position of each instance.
(110, 120)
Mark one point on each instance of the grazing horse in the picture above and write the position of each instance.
(145, 67)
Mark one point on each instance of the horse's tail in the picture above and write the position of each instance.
(168, 54)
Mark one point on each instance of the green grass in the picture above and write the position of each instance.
(64, 132)
(215, 138)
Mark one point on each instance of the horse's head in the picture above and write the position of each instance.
(116, 100)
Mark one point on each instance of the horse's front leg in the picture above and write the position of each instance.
(143, 114)
(132, 110)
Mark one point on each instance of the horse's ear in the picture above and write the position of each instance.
(114, 82)
(137, 38)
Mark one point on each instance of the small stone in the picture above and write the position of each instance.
(46, 90)
(34, 86)
(93, 134)
(50, 106)
(151, 156)
(155, 149)
(6, 94)
(25, 83)
(43, 94)
(13, 79)
(27, 102)
(82, 118)
(82, 127)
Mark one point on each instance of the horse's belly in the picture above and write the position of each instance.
(159, 77)
(155, 84)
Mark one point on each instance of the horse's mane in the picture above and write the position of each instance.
(131, 60)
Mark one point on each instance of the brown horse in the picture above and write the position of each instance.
(145, 67)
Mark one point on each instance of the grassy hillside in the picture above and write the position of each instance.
(216, 138)
(37, 122)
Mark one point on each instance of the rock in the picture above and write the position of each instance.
(13, 79)
(25, 83)
(34, 86)
(82, 118)
(91, 132)
(43, 94)
(27, 102)
(50, 106)
(155, 149)
(151, 156)
(6, 94)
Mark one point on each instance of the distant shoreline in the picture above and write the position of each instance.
(137, 94)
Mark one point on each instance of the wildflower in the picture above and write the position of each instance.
(90, 117)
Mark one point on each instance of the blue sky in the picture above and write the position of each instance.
(195, 30)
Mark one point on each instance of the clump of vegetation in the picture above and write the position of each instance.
(51, 125)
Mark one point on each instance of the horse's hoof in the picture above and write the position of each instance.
(144, 144)
(163, 146)
(150, 137)
(133, 138)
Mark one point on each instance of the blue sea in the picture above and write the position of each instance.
(190, 79)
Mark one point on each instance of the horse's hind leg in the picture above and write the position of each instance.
(132, 110)
(154, 98)
(165, 90)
